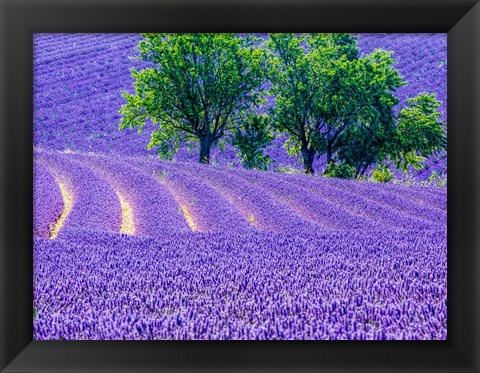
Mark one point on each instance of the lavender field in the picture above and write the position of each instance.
(78, 79)
(130, 246)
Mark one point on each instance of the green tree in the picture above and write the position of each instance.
(297, 87)
(406, 140)
(362, 143)
(251, 139)
(198, 89)
(419, 132)
(322, 88)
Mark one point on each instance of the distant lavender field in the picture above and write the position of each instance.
(128, 246)
(78, 79)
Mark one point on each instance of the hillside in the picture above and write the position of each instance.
(78, 79)
(128, 246)
(191, 197)
(136, 248)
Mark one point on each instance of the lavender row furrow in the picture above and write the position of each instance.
(313, 207)
(47, 201)
(90, 101)
(262, 210)
(60, 44)
(210, 210)
(396, 201)
(95, 205)
(155, 210)
(432, 197)
(369, 198)
(93, 47)
(166, 195)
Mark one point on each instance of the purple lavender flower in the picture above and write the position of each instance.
(370, 284)
(47, 201)
(127, 246)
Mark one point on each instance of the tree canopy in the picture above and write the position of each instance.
(198, 88)
(251, 139)
(327, 98)
(322, 88)
(404, 140)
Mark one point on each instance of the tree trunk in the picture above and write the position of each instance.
(308, 161)
(329, 152)
(364, 169)
(357, 172)
(205, 146)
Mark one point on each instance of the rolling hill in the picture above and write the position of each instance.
(138, 248)
(78, 79)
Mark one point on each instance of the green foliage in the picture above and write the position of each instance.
(382, 173)
(293, 147)
(199, 88)
(167, 141)
(364, 141)
(287, 170)
(406, 139)
(419, 132)
(341, 171)
(251, 139)
(295, 76)
(436, 180)
(329, 99)
(323, 89)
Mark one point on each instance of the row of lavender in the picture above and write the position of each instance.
(78, 79)
(164, 196)
(369, 284)
(273, 256)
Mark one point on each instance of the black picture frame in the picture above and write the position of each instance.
(19, 19)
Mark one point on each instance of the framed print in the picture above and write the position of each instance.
(240, 186)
